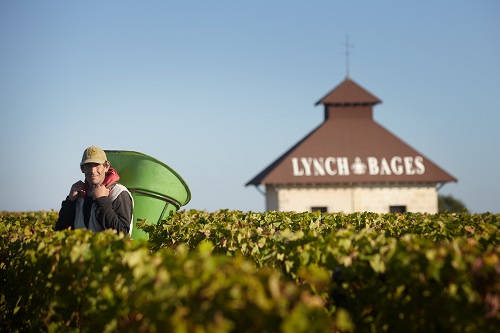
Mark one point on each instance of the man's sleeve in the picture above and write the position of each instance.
(115, 215)
(66, 215)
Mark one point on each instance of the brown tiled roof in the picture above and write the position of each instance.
(349, 92)
(350, 137)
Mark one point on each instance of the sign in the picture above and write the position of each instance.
(342, 166)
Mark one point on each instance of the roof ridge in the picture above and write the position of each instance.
(349, 92)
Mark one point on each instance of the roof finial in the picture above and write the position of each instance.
(347, 46)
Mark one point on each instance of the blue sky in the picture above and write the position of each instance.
(219, 89)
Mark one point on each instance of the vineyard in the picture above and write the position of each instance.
(259, 272)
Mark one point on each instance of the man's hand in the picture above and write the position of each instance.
(100, 191)
(75, 188)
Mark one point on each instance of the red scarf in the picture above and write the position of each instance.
(110, 178)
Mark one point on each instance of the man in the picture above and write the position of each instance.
(100, 203)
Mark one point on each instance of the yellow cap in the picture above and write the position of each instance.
(93, 154)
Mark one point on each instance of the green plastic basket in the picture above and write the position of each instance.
(156, 188)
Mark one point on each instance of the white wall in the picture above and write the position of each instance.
(374, 198)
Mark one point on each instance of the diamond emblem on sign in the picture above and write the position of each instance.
(358, 167)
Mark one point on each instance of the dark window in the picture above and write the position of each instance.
(397, 209)
(318, 209)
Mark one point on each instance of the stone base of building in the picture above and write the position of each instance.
(377, 198)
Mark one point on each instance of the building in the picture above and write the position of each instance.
(350, 163)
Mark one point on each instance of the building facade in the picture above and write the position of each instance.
(350, 163)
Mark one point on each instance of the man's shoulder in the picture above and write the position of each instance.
(119, 191)
(119, 187)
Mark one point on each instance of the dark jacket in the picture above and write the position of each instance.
(109, 214)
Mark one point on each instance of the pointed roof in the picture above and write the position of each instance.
(349, 92)
(347, 150)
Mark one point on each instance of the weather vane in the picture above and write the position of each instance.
(347, 46)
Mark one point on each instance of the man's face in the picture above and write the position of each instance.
(95, 172)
